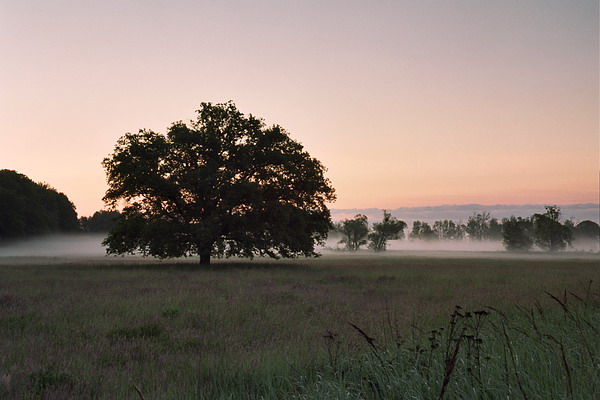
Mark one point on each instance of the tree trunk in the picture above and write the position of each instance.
(205, 256)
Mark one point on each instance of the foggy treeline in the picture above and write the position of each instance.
(29, 209)
(541, 231)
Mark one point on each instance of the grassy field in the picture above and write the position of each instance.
(131, 328)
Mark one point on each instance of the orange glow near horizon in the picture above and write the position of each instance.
(406, 103)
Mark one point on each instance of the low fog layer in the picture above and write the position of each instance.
(460, 245)
(90, 245)
(75, 245)
(437, 245)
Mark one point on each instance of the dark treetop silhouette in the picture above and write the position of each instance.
(388, 229)
(354, 232)
(224, 185)
(28, 208)
(100, 221)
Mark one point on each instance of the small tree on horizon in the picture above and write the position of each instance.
(448, 230)
(517, 234)
(354, 232)
(587, 230)
(422, 231)
(549, 233)
(478, 226)
(388, 229)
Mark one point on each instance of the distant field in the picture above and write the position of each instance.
(108, 327)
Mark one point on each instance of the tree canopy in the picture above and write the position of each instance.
(478, 226)
(354, 232)
(222, 185)
(422, 230)
(29, 208)
(544, 230)
(446, 229)
(587, 230)
(389, 228)
(549, 233)
(517, 234)
(100, 221)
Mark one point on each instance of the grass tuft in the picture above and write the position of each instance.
(50, 378)
(148, 331)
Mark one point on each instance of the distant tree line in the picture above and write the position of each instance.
(478, 227)
(29, 208)
(544, 231)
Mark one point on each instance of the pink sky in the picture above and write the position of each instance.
(407, 103)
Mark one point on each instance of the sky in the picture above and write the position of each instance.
(406, 103)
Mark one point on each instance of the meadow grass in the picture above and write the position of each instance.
(534, 353)
(123, 328)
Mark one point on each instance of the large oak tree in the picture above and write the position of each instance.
(222, 185)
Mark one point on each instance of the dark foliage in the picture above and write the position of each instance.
(549, 233)
(224, 185)
(544, 230)
(422, 230)
(587, 230)
(101, 221)
(478, 226)
(388, 229)
(447, 230)
(517, 234)
(354, 232)
(495, 230)
(28, 208)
